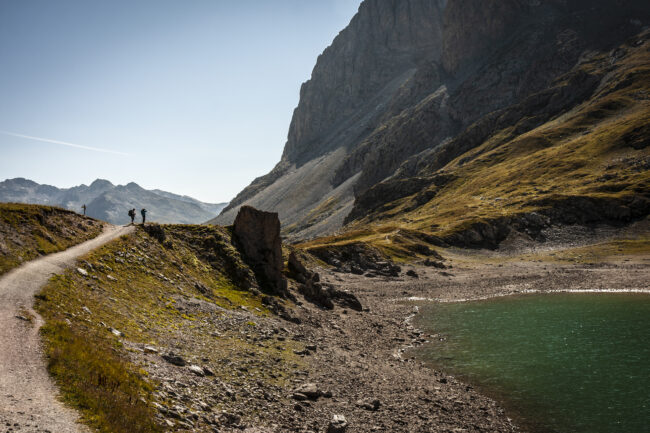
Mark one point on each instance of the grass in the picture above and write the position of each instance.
(585, 152)
(602, 251)
(95, 378)
(29, 231)
(173, 295)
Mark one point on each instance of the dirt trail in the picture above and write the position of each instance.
(28, 397)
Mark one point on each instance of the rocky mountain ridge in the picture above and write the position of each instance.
(109, 202)
(422, 79)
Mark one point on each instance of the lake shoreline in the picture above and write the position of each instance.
(523, 293)
(391, 303)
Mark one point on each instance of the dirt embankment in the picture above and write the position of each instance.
(30, 231)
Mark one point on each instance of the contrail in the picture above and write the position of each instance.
(64, 143)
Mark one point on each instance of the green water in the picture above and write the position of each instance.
(561, 363)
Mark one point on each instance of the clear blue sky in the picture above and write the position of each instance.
(193, 96)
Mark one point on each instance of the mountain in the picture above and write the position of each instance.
(444, 116)
(111, 203)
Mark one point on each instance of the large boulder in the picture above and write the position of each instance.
(257, 236)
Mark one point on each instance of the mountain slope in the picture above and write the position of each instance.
(525, 168)
(491, 71)
(110, 202)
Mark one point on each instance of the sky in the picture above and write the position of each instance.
(193, 97)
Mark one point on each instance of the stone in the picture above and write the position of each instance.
(257, 236)
(82, 272)
(310, 390)
(116, 332)
(434, 263)
(369, 404)
(174, 359)
(111, 278)
(412, 273)
(338, 424)
(196, 370)
(150, 349)
(299, 396)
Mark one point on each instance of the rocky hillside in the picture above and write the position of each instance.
(29, 231)
(110, 202)
(204, 328)
(420, 96)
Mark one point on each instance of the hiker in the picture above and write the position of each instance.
(132, 215)
(84, 208)
(143, 212)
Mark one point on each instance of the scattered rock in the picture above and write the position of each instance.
(82, 272)
(116, 332)
(299, 396)
(434, 263)
(412, 273)
(197, 370)
(310, 390)
(150, 349)
(338, 424)
(369, 404)
(174, 359)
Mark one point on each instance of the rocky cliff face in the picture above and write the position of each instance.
(383, 41)
(424, 79)
(353, 82)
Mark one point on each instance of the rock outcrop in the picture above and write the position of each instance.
(324, 295)
(257, 236)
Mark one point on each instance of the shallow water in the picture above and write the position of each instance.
(561, 362)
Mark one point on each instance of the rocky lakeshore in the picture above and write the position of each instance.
(355, 371)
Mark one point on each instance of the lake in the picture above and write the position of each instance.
(559, 362)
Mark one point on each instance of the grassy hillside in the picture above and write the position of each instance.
(179, 290)
(30, 231)
(588, 164)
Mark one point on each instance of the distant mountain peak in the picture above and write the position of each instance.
(101, 183)
(109, 202)
(21, 181)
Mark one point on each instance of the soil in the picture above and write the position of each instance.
(28, 397)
